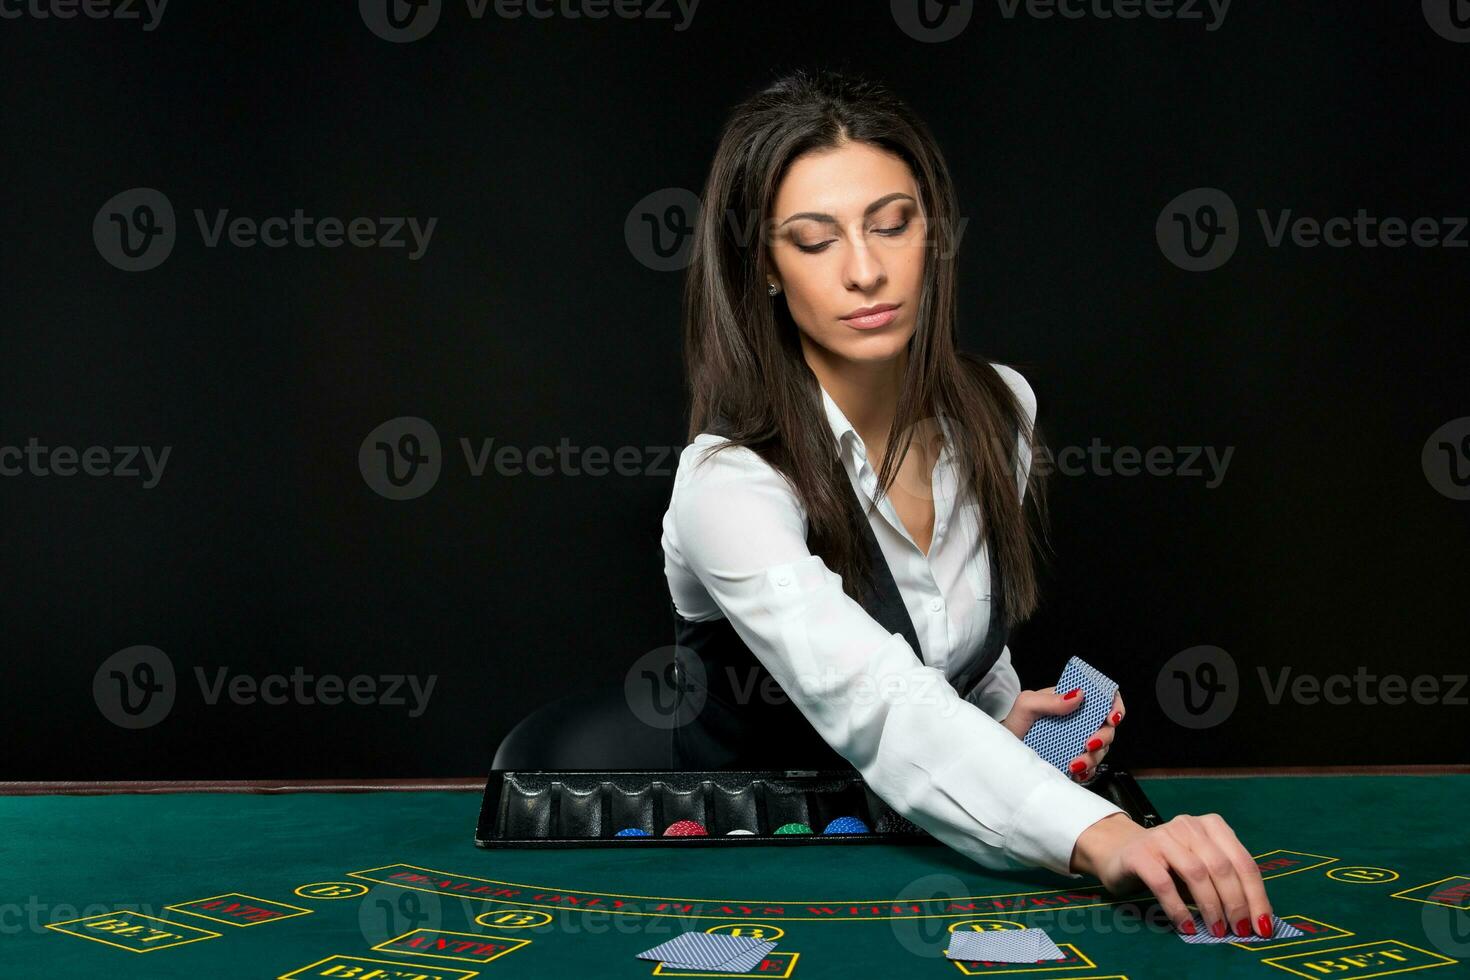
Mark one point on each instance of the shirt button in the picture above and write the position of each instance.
(935, 605)
(783, 579)
(940, 528)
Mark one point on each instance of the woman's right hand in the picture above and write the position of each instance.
(1199, 854)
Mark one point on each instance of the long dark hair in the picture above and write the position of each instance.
(748, 379)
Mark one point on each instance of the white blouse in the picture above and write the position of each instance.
(734, 541)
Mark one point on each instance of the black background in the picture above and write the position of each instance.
(529, 320)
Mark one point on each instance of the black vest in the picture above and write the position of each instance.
(733, 723)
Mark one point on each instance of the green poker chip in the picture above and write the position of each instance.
(793, 828)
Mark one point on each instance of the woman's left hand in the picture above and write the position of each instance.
(1081, 768)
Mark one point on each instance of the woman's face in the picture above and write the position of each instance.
(847, 234)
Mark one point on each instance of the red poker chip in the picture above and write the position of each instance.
(686, 828)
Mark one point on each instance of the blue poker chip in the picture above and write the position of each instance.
(846, 825)
(632, 832)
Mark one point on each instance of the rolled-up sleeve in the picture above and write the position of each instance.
(940, 761)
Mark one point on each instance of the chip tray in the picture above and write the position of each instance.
(542, 808)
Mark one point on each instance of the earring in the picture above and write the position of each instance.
(773, 289)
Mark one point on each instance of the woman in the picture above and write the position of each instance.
(845, 544)
(820, 348)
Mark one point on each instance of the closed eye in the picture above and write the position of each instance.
(887, 232)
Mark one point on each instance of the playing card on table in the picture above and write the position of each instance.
(1202, 935)
(747, 961)
(1061, 738)
(704, 950)
(1005, 946)
(1046, 949)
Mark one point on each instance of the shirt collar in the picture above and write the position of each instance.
(842, 429)
(848, 440)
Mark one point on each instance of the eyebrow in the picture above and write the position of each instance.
(818, 216)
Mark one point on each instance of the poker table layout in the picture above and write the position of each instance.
(388, 884)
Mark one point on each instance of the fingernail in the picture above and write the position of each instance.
(1218, 929)
(1263, 925)
(1243, 927)
(1071, 694)
(1094, 745)
(1117, 717)
(1077, 765)
(1186, 926)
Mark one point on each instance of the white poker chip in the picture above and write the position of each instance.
(740, 833)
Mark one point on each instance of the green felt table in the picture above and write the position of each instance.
(378, 885)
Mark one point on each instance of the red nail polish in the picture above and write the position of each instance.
(1264, 926)
(1187, 927)
(1077, 765)
(1243, 927)
(1094, 745)
(1218, 929)
(1071, 694)
(1117, 717)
